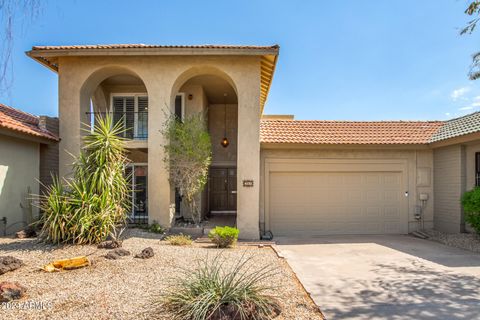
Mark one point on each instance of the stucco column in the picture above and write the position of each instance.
(71, 114)
(248, 158)
(159, 200)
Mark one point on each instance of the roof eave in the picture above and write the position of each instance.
(40, 59)
(152, 51)
(291, 145)
(28, 136)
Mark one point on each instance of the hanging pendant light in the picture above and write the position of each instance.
(225, 141)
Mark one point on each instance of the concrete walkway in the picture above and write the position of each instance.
(386, 277)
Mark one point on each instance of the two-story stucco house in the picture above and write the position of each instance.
(276, 174)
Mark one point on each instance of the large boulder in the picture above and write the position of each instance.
(110, 244)
(9, 263)
(117, 253)
(145, 254)
(26, 233)
(11, 291)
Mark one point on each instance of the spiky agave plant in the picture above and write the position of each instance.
(91, 205)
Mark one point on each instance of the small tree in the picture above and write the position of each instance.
(188, 155)
(94, 203)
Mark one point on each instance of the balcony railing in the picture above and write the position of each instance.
(135, 124)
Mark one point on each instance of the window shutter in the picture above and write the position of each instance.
(117, 109)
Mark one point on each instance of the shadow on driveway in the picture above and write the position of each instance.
(386, 277)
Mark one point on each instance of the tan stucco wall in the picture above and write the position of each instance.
(449, 182)
(418, 172)
(19, 172)
(163, 76)
(216, 124)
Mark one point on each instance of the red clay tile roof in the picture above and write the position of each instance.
(347, 132)
(19, 121)
(150, 46)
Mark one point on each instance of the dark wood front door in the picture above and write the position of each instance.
(223, 189)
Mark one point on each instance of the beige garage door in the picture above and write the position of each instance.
(323, 203)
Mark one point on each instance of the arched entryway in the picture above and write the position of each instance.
(213, 92)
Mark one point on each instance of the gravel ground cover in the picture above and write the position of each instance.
(467, 241)
(128, 287)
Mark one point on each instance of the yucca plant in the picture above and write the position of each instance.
(215, 291)
(93, 204)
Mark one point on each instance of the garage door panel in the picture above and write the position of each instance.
(337, 203)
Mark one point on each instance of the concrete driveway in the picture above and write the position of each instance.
(386, 277)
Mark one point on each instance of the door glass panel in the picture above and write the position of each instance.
(178, 107)
(142, 116)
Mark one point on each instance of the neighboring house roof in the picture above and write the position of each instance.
(48, 55)
(22, 122)
(467, 124)
(347, 132)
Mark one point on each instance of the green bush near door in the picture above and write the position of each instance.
(224, 237)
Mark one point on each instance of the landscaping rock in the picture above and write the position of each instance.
(466, 241)
(145, 254)
(110, 244)
(8, 263)
(117, 253)
(27, 233)
(11, 291)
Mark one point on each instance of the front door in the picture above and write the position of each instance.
(223, 190)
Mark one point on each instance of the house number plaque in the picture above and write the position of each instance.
(247, 183)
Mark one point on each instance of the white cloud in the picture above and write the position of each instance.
(466, 108)
(475, 104)
(447, 114)
(458, 93)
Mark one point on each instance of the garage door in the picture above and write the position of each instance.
(322, 203)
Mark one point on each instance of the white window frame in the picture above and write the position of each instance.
(181, 94)
(133, 165)
(135, 107)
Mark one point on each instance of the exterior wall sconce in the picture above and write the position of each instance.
(190, 96)
(225, 142)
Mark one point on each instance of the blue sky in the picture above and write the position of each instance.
(345, 60)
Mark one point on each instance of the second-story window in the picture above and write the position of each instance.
(132, 111)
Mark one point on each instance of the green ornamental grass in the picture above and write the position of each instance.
(217, 291)
(179, 240)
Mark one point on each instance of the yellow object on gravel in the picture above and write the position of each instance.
(67, 264)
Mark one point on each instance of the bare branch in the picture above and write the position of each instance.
(15, 15)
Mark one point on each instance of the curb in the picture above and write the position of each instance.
(281, 256)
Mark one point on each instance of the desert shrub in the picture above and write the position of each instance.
(216, 291)
(224, 237)
(188, 155)
(471, 208)
(179, 240)
(155, 227)
(94, 203)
